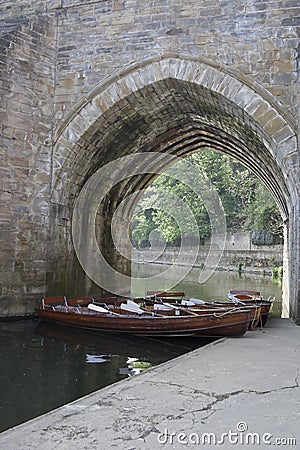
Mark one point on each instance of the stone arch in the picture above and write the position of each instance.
(270, 120)
(171, 104)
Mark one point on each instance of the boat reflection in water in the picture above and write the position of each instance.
(133, 353)
(134, 366)
(45, 366)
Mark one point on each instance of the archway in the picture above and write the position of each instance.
(176, 106)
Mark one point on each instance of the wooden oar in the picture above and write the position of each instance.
(178, 308)
(99, 309)
(130, 306)
(134, 308)
(197, 301)
(170, 306)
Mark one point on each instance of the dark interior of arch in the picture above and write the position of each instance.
(179, 118)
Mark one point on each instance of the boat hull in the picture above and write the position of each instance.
(231, 324)
(260, 311)
(255, 312)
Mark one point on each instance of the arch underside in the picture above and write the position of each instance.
(175, 117)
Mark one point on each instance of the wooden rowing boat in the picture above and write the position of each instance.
(238, 298)
(237, 295)
(248, 297)
(178, 298)
(134, 320)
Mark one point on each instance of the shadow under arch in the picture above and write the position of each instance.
(179, 106)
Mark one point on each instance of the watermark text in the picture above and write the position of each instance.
(240, 436)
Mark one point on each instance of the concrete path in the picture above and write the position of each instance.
(235, 393)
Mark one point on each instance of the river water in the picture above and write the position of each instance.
(45, 366)
(215, 288)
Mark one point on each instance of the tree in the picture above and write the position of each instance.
(247, 203)
(264, 214)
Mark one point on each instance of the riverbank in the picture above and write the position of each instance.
(234, 389)
(259, 261)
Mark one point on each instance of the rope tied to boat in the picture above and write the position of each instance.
(227, 312)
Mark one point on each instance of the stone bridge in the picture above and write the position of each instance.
(84, 83)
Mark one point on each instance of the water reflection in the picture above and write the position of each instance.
(135, 367)
(216, 288)
(44, 366)
(98, 359)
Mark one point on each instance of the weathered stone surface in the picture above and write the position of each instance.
(84, 82)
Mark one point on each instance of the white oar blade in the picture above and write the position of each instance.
(132, 308)
(170, 305)
(98, 308)
(197, 301)
(132, 304)
(187, 303)
(162, 307)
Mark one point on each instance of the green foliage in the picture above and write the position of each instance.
(142, 225)
(277, 272)
(264, 214)
(247, 203)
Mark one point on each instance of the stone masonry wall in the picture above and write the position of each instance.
(257, 39)
(239, 255)
(27, 80)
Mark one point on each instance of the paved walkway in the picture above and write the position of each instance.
(234, 393)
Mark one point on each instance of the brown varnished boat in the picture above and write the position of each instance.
(249, 297)
(166, 308)
(118, 319)
(260, 307)
(177, 298)
(173, 298)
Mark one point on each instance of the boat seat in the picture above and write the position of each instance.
(51, 302)
(164, 294)
(161, 296)
(80, 301)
